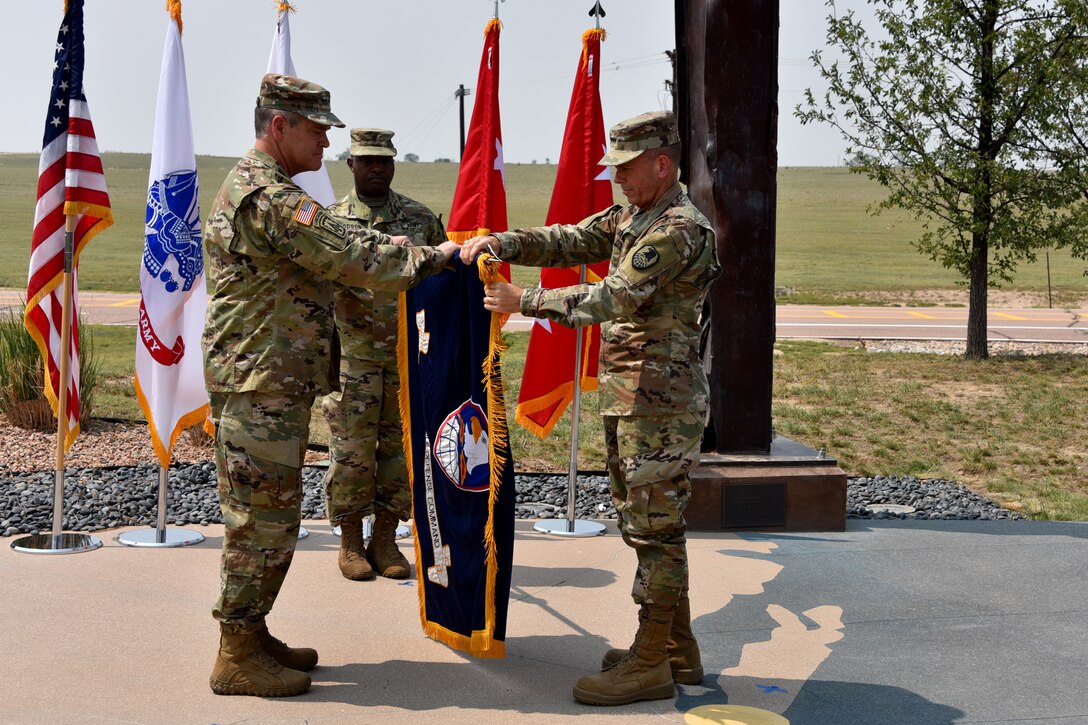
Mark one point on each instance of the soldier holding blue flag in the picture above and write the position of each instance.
(272, 252)
(654, 395)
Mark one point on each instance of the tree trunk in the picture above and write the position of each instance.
(982, 201)
(977, 344)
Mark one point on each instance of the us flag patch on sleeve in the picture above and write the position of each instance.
(306, 212)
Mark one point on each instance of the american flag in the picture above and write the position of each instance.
(70, 182)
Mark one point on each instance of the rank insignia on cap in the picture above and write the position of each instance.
(306, 212)
(645, 258)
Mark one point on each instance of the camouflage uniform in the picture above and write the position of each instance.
(271, 252)
(653, 391)
(366, 444)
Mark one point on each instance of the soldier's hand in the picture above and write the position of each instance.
(502, 297)
(449, 250)
(401, 241)
(477, 246)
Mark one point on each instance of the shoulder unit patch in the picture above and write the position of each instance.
(326, 221)
(644, 258)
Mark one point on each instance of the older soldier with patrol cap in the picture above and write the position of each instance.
(368, 473)
(273, 254)
(653, 391)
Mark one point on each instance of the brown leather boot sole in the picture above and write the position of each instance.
(392, 571)
(681, 676)
(657, 692)
(244, 687)
(356, 576)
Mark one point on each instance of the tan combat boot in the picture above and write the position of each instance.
(382, 552)
(302, 659)
(684, 659)
(244, 668)
(353, 563)
(641, 674)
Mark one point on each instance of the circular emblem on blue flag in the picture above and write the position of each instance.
(461, 448)
(172, 231)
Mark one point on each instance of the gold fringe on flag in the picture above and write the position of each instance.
(493, 24)
(174, 8)
(588, 36)
(497, 442)
(285, 7)
(403, 401)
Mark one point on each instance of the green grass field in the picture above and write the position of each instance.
(1009, 427)
(828, 248)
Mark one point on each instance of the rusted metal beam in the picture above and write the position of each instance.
(727, 107)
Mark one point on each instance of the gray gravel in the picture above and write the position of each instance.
(104, 498)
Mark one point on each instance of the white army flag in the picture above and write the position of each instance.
(315, 183)
(173, 297)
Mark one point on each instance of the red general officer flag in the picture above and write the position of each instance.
(70, 184)
(479, 201)
(582, 188)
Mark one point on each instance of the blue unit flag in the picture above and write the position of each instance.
(455, 440)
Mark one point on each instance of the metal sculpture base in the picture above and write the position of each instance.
(170, 538)
(302, 532)
(62, 544)
(403, 531)
(579, 528)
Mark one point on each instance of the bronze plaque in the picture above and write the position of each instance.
(755, 505)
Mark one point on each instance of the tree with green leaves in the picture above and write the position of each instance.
(971, 114)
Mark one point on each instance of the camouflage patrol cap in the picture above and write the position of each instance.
(372, 142)
(287, 93)
(630, 138)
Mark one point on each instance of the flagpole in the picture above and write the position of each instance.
(575, 527)
(62, 387)
(572, 526)
(58, 542)
(161, 537)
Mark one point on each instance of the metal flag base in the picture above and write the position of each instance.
(169, 538)
(579, 528)
(302, 532)
(56, 544)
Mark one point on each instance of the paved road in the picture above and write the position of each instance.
(929, 323)
(793, 321)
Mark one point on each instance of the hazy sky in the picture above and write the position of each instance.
(388, 63)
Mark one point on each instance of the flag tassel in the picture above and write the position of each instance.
(173, 7)
(499, 432)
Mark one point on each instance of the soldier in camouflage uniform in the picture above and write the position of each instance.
(368, 473)
(272, 253)
(653, 390)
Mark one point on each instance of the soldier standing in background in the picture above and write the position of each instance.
(368, 473)
(271, 252)
(653, 391)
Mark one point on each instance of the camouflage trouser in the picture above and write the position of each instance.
(648, 462)
(260, 444)
(368, 468)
